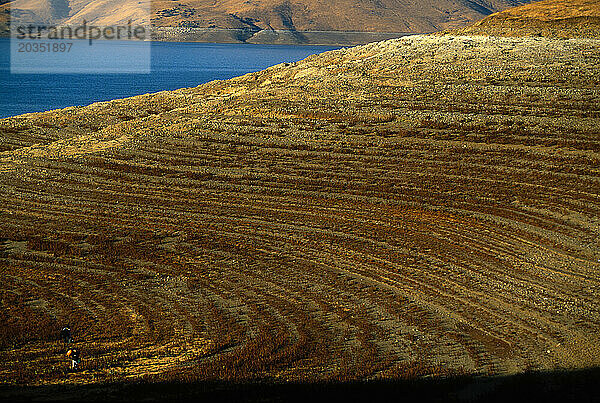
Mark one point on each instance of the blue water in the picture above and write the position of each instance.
(173, 65)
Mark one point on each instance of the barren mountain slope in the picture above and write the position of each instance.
(422, 206)
(344, 15)
(551, 18)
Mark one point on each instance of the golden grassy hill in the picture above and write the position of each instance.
(422, 207)
(551, 18)
(426, 206)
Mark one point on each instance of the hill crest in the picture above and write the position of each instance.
(549, 18)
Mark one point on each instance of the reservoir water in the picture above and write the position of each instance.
(173, 65)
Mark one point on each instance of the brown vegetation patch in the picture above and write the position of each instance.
(425, 206)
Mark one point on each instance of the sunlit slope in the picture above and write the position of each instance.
(551, 18)
(423, 206)
(341, 15)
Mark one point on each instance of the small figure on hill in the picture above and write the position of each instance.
(75, 358)
(65, 335)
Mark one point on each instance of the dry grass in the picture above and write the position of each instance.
(399, 217)
(550, 18)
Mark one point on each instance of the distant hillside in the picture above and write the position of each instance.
(550, 18)
(337, 15)
(407, 16)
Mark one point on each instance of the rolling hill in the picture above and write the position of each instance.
(551, 18)
(420, 208)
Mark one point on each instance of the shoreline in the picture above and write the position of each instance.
(264, 56)
(267, 37)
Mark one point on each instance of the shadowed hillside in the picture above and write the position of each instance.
(564, 386)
